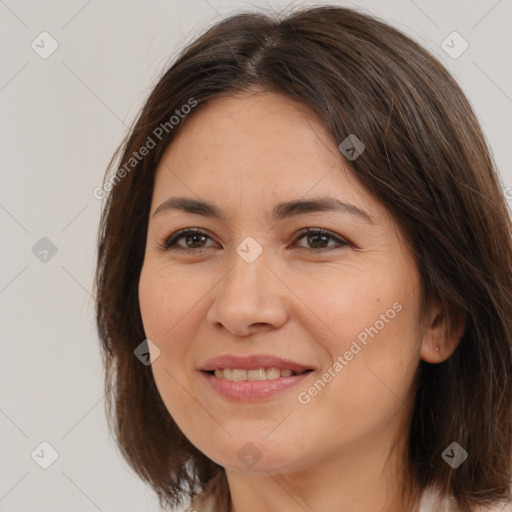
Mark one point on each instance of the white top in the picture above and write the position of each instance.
(428, 503)
(430, 500)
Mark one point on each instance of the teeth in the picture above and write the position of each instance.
(235, 374)
(273, 373)
(258, 374)
(239, 375)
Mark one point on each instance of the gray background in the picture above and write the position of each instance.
(61, 119)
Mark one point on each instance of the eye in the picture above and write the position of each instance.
(196, 238)
(318, 237)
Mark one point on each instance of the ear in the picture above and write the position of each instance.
(442, 331)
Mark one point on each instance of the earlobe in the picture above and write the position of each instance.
(442, 336)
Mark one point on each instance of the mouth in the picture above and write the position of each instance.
(255, 377)
(254, 374)
(259, 362)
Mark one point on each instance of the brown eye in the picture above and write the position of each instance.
(194, 240)
(318, 238)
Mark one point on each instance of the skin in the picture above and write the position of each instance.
(341, 450)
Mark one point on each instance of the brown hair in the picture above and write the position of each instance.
(425, 159)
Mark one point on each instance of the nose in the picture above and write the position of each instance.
(250, 297)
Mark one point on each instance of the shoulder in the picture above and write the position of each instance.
(430, 501)
(504, 507)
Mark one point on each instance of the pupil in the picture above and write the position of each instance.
(194, 236)
(317, 236)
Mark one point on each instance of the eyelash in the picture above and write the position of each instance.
(169, 243)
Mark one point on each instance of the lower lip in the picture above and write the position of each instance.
(252, 390)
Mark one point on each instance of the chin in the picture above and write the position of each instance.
(254, 458)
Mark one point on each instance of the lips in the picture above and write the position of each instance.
(234, 377)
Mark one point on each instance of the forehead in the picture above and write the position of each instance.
(254, 149)
(242, 133)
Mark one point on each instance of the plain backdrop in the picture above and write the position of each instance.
(61, 119)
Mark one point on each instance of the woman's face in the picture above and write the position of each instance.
(344, 305)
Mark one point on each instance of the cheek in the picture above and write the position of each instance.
(150, 301)
(377, 360)
(171, 311)
(372, 331)
(164, 302)
(164, 311)
(347, 307)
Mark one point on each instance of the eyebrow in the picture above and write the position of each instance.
(280, 211)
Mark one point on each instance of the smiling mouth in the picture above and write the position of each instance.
(240, 374)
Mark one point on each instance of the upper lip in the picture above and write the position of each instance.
(252, 362)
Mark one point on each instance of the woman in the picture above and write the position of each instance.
(304, 277)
